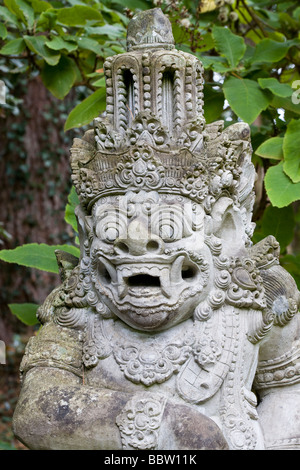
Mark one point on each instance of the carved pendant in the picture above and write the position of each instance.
(204, 373)
(150, 364)
(150, 361)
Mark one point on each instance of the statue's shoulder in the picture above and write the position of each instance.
(58, 342)
(279, 357)
(281, 291)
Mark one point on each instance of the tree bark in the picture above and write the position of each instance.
(35, 184)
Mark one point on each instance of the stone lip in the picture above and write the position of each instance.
(150, 29)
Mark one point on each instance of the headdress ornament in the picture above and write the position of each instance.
(153, 134)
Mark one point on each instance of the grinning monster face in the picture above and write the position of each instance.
(148, 258)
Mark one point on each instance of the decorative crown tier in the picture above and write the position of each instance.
(222, 167)
(152, 78)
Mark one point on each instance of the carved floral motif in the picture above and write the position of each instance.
(141, 171)
(140, 420)
(148, 364)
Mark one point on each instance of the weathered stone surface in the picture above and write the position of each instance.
(172, 324)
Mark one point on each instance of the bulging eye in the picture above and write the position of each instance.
(111, 225)
(111, 232)
(168, 223)
(167, 231)
(148, 206)
(130, 209)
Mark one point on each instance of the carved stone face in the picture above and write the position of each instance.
(149, 260)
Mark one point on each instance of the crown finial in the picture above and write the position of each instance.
(150, 29)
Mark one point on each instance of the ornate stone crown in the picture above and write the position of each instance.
(153, 135)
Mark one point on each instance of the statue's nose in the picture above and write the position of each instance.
(139, 241)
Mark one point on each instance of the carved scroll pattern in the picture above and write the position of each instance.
(238, 405)
(140, 420)
(149, 365)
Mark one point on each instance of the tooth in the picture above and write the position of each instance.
(157, 271)
(110, 268)
(152, 271)
(176, 270)
(165, 282)
(121, 285)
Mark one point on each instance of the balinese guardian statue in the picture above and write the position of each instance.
(172, 330)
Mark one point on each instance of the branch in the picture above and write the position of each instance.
(255, 18)
(249, 24)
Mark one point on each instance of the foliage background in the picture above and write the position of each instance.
(51, 62)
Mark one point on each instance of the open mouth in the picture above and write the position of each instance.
(143, 280)
(148, 279)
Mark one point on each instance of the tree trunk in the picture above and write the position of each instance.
(34, 187)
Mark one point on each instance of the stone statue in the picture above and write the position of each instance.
(172, 330)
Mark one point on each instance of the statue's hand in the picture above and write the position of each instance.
(151, 421)
(185, 428)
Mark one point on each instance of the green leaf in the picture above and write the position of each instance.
(73, 202)
(207, 42)
(22, 10)
(87, 110)
(213, 104)
(13, 47)
(229, 45)
(291, 150)
(47, 20)
(246, 98)
(25, 312)
(269, 50)
(280, 188)
(89, 44)
(78, 15)
(280, 223)
(39, 5)
(59, 43)
(37, 44)
(3, 31)
(39, 256)
(27, 12)
(8, 16)
(133, 4)
(296, 14)
(280, 89)
(100, 82)
(59, 78)
(271, 148)
(217, 64)
(285, 103)
(113, 31)
(292, 264)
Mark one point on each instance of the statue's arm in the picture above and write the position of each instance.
(57, 411)
(56, 407)
(277, 380)
(278, 386)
